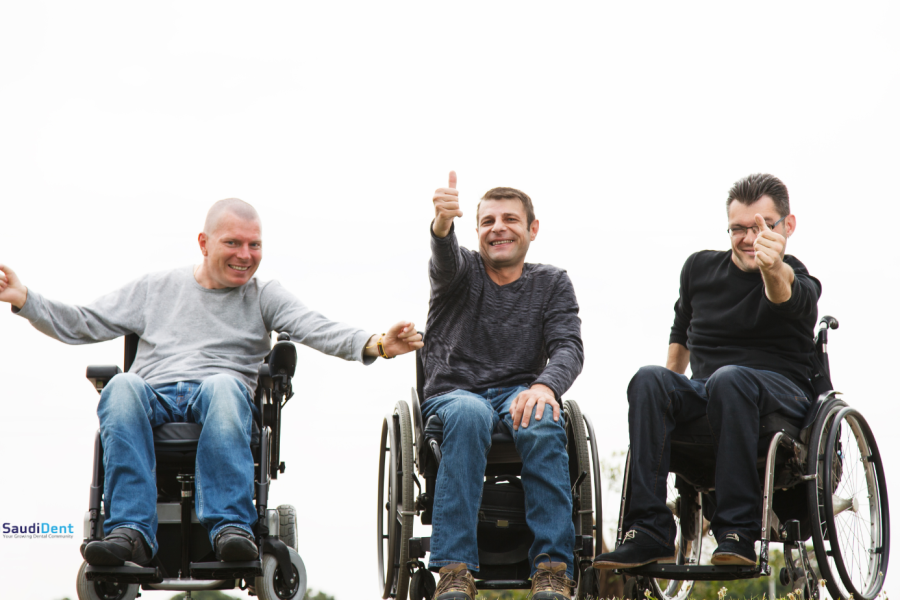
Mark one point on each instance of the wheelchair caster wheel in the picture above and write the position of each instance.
(588, 586)
(422, 585)
(103, 590)
(784, 577)
(274, 585)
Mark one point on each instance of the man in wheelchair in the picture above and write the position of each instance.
(203, 332)
(503, 344)
(744, 321)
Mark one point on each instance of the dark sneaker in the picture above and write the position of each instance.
(233, 544)
(637, 549)
(123, 544)
(456, 583)
(734, 550)
(550, 582)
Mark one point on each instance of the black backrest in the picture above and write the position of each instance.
(131, 344)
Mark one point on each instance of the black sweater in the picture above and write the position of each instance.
(482, 335)
(724, 318)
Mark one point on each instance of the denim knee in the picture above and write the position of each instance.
(121, 396)
(648, 379)
(468, 413)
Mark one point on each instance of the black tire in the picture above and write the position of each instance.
(422, 586)
(853, 495)
(272, 584)
(688, 550)
(579, 462)
(95, 590)
(598, 493)
(588, 588)
(395, 502)
(287, 525)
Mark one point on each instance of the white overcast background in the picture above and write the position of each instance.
(120, 123)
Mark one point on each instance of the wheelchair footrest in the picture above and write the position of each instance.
(123, 574)
(696, 572)
(226, 570)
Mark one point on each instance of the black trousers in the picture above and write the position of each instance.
(733, 399)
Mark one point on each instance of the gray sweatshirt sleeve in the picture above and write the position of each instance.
(115, 314)
(562, 337)
(284, 313)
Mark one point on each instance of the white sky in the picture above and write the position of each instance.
(626, 123)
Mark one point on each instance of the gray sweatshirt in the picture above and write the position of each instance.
(481, 335)
(189, 332)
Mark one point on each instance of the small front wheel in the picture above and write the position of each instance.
(102, 590)
(275, 585)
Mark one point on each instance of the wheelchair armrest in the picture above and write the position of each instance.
(283, 357)
(99, 375)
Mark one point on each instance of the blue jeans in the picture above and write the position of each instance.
(129, 409)
(733, 399)
(469, 419)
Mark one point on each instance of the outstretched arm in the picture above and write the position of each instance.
(11, 289)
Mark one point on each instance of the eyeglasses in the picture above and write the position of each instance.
(737, 231)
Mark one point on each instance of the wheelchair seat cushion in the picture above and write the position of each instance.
(434, 430)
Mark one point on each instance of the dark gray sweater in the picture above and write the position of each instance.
(481, 335)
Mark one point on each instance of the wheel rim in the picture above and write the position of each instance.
(688, 551)
(387, 525)
(283, 587)
(856, 516)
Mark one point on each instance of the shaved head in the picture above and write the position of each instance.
(234, 206)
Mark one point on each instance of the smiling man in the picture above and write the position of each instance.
(503, 344)
(203, 331)
(744, 321)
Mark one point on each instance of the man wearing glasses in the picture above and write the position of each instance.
(744, 321)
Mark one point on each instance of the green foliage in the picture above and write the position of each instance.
(318, 596)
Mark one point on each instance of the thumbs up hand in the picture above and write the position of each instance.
(446, 207)
(769, 247)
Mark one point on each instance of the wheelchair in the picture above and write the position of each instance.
(186, 560)
(410, 452)
(823, 480)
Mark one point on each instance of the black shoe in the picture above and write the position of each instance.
(123, 544)
(233, 544)
(637, 549)
(735, 550)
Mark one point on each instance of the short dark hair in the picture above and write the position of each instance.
(753, 187)
(508, 193)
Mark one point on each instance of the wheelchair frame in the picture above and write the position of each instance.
(401, 569)
(819, 440)
(264, 576)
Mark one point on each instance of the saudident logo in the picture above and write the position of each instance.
(37, 531)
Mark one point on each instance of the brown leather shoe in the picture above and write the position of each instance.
(550, 581)
(456, 583)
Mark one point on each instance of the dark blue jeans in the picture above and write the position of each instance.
(469, 419)
(733, 399)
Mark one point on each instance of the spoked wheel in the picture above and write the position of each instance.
(852, 533)
(395, 502)
(688, 514)
(579, 462)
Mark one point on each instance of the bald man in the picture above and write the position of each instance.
(203, 331)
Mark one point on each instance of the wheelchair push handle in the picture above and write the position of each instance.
(825, 323)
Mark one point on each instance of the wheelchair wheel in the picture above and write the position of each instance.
(422, 586)
(287, 525)
(103, 590)
(688, 513)
(579, 462)
(395, 502)
(273, 585)
(851, 535)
